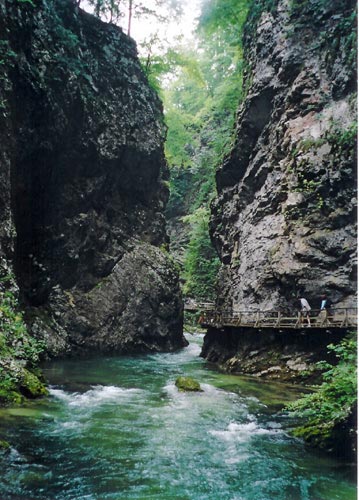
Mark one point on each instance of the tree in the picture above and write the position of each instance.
(201, 263)
(116, 11)
(111, 10)
(200, 101)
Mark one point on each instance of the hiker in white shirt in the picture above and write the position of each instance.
(305, 309)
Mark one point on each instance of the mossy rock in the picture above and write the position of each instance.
(188, 384)
(337, 438)
(4, 446)
(31, 386)
(317, 436)
(9, 397)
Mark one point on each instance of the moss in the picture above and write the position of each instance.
(31, 386)
(4, 445)
(10, 397)
(338, 438)
(343, 140)
(330, 412)
(18, 349)
(311, 143)
(185, 384)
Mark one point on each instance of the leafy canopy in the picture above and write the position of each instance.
(201, 97)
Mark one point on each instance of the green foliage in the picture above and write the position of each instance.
(4, 446)
(296, 7)
(312, 184)
(14, 338)
(104, 7)
(27, 2)
(119, 11)
(180, 186)
(17, 350)
(341, 140)
(333, 401)
(341, 39)
(347, 30)
(257, 7)
(200, 100)
(69, 59)
(7, 55)
(201, 263)
(306, 185)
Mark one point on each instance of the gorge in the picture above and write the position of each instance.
(91, 284)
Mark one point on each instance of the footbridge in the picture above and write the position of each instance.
(335, 318)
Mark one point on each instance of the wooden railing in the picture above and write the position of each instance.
(335, 318)
(191, 305)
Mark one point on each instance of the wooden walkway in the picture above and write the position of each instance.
(336, 318)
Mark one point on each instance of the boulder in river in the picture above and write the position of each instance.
(186, 384)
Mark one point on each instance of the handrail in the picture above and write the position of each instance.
(340, 317)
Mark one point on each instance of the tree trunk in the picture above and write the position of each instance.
(130, 7)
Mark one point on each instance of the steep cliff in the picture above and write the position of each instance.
(83, 184)
(284, 219)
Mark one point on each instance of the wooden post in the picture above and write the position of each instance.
(345, 320)
(322, 317)
(325, 317)
(278, 319)
(299, 320)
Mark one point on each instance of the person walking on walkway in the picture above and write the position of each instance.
(325, 306)
(305, 309)
(326, 303)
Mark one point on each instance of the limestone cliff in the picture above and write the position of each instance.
(83, 184)
(284, 219)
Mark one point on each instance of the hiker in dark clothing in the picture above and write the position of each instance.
(325, 306)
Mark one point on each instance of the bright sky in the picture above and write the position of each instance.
(178, 26)
(143, 28)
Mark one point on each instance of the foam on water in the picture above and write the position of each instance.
(243, 433)
(152, 441)
(96, 396)
(193, 350)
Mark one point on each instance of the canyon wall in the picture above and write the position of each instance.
(284, 220)
(83, 185)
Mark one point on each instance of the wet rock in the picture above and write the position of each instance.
(188, 384)
(287, 356)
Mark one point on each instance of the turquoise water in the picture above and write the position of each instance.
(117, 428)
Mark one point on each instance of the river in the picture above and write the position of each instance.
(117, 428)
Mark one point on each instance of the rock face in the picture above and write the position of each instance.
(284, 219)
(287, 356)
(83, 184)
